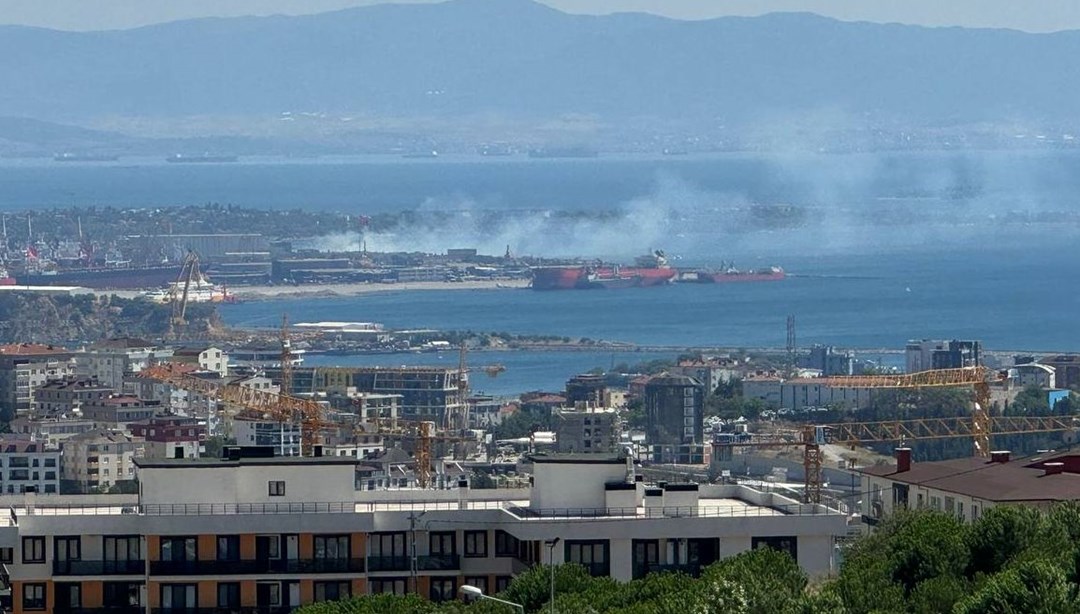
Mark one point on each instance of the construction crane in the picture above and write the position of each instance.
(979, 426)
(281, 407)
(286, 356)
(189, 272)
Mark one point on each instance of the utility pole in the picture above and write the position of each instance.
(413, 517)
(551, 543)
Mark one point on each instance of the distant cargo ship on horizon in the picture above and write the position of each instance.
(74, 157)
(200, 158)
(563, 152)
(649, 270)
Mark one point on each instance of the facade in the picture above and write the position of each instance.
(276, 533)
(1066, 369)
(24, 367)
(829, 361)
(587, 429)
(111, 360)
(253, 430)
(765, 387)
(117, 411)
(485, 412)
(170, 437)
(50, 430)
(68, 396)
(585, 388)
(28, 466)
(967, 487)
(205, 358)
(712, 373)
(810, 392)
(1034, 374)
(426, 393)
(99, 459)
(927, 354)
(674, 413)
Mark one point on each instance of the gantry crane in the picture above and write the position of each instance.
(979, 426)
(189, 272)
(281, 407)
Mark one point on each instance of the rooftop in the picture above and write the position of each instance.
(1024, 479)
(197, 463)
(32, 349)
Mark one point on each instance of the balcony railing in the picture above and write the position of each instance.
(126, 609)
(266, 566)
(99, 568)
(389, 563)
(427, 562)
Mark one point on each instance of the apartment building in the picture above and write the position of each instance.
(66, 397)
(170, 436)
(109, 361)
(967, 487)
(424, 393)
(28, 466)
(116, 412)
(24, 367)
(205, 358)
(99, 459)
(50, 431)
(276, 533)
(587, 429)
(252, 429)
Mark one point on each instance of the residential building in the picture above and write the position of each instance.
(24, 367)
(587, 428)
(485, 412)
(711, 372)
(67, 397)
(276, 533)
(828, 360)
(585, 388)
(426, 393)
(763, 386)
(50, 431)
(1033, 374)
(99, 459)
(967, 487)
(111, 360)
(205, 358)
(812, 392)
(117, 411)
(927, 354)
(170, 436)
(253, 429)
(28, 466)
(674, 414)
(1066, 369)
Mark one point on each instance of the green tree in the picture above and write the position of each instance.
(771, 580)
(1033, 587)
(1001, 534)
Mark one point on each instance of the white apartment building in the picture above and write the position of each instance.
(111, 360)
(205, 358)
(252, 430)
(28, 466)
(805, 392)
(283, 532)
(1033, 374)
(99, 459)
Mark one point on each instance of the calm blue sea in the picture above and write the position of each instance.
(973, 245)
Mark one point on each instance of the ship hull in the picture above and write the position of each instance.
(724, 278)
(106, 279)
(577, 278)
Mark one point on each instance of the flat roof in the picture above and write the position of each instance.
(579, 459)
(201, 463)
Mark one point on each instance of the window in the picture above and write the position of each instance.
(388, 544)
(501, 583)
(593, 554)
(122, 548)
(505, 544)
(178, 596)
(476, 544)
(646, 556)
(7, 555)
(68, 595)
(480, 582)
(268, 593)
(178, 549)
(66, 548)
(33, 550)
(331, 546)
(393, 586)
(228, 595)
(33, 597)
(441, 543)
(443, 589)
(277, 488)
(332, 591)
(228, 548)
(786, 543)
(121, 594)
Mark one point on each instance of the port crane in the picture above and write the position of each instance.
(189, 272)
(980, 425)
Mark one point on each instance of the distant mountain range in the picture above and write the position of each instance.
(517, 58)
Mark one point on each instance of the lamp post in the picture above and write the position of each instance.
(413, 517)
(473, 591)
(551, 543)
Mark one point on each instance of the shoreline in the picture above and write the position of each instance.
(265, 293)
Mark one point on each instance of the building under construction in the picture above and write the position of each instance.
(426, 393)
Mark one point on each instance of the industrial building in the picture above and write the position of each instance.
(276, 533)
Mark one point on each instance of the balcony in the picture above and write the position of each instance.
(432, 562)
(126, 609)
(249, 567)
(99, 568)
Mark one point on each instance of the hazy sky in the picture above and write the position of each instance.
(1031, 15)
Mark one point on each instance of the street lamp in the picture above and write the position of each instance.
(473, 591)
(551, 543)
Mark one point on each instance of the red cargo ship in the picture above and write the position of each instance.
(650, 270)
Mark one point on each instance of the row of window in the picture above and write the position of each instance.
(68, 595)
(181, 549)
